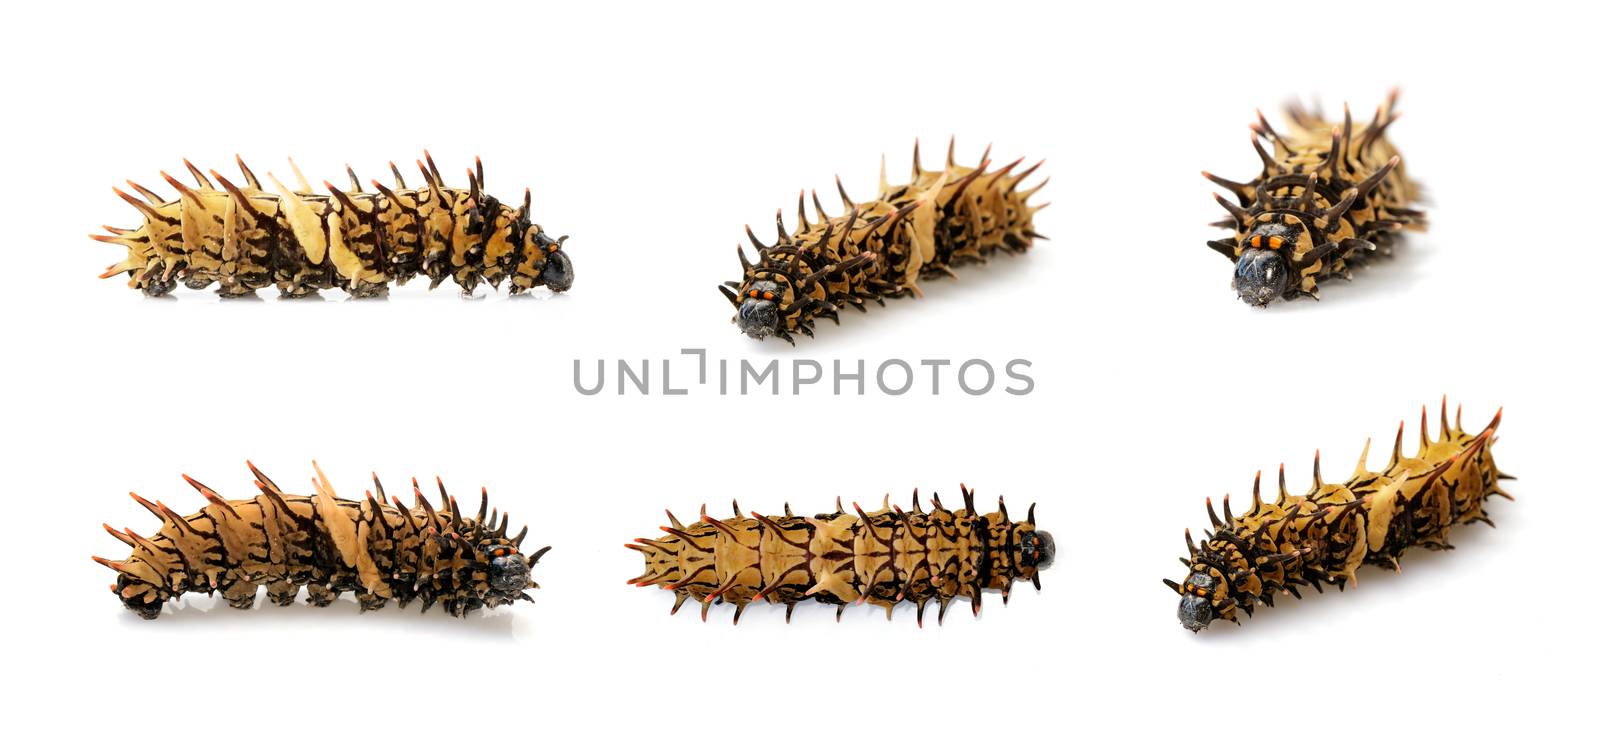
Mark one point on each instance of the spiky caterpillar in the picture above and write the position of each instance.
(882, 247)
(244, 238)
(1326, 534)
(378, 550)
(881, 557)
(1329, 197)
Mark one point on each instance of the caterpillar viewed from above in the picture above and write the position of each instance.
(379, 550)
(244, 238)
(881, 247)
(1325, 535)
(1329, 197)
(881, 557)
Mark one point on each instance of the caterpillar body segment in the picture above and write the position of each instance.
(243, 237)
(1325, 535)
(1330, 196)
(883, 247)
(843, 558)
(374, 547)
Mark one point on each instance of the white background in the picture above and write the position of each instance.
(651, 134)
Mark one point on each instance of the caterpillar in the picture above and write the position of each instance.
(1325, 535)
(379, 550)
(1329, 197)
(243, 238)
(881, 557)
(882, 247)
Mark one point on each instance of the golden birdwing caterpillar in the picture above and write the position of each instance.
(881, 248)
(1329, 197)
(244, 238)
(1325, 535)
(842, 558)
(375, 547)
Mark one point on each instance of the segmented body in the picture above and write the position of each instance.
(882, 247)
(882, 557)
(245, 238)
(1329, 197)
(1327, 534)
(378, 550)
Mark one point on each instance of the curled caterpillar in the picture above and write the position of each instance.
(378, 550)
(880, 557)
(882, 247)
(1329, 197)
(1325, 535)
(243, 238)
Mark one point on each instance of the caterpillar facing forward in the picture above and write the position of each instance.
(1329, 197)
(1325, 535)
(244, 238)
(882, 247)
(880, 557)
(378, 550)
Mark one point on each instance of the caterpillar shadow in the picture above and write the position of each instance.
(212, 613)
(812, 613)
(1383, 277)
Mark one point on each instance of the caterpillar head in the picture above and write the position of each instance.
(543, 262)
(759, 313)
(138, 596)
(1195, 610)
(1264, 271)
(1035, 549)
(509, 572)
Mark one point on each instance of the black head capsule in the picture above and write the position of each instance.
(1195, 610)
(1261, 276)
(557, 272)
(1262, 273)
(758, 309)
(1035, 548)
(508, 573)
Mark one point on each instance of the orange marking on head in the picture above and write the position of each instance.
(1255, 241)
(1275, 242)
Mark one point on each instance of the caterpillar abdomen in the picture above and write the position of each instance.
(243, 238)
(1329, 197)
(882, 247)
(379, 550)
(882, 557)
(1325, 535)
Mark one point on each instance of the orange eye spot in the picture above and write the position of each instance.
(1275, 242)
(753, 293)
(766, 296)
(1255, 241)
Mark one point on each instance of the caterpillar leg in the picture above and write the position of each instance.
(157, 283)
(320, 596)
(240, 594)
(468, 282)
(370, 601)
(294, 290)
(367, 290)
(235, 290)
(282, 592)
